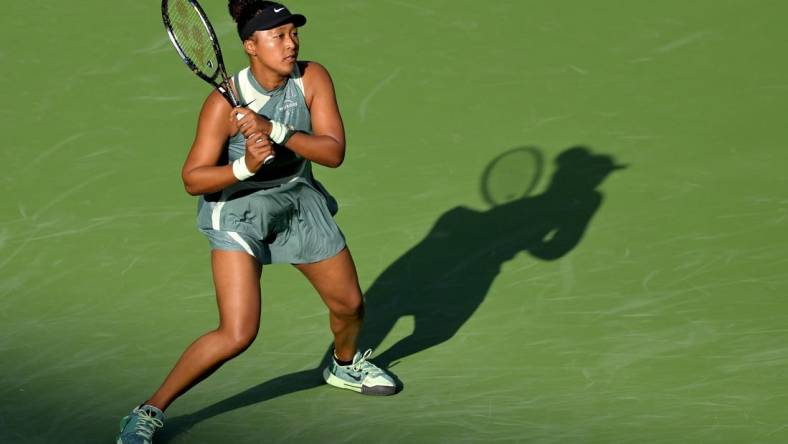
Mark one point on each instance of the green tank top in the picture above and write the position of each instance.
(285, 104)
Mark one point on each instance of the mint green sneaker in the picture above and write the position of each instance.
(361, 376)
(139, 426)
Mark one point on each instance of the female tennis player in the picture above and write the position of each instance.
(255, 213)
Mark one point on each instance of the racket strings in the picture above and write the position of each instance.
(193, 36)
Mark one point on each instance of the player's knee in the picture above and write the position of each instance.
(238, 339)
(352, 308)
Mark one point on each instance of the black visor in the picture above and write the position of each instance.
(270, 17)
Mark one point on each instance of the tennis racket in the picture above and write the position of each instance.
(512, 175)
(195, 40)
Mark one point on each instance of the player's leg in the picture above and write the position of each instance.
(237, 281)
(336, 281)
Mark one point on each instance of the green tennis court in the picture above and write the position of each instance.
(636, 294)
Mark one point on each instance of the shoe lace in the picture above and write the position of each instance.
(147, 424)
(362, 365)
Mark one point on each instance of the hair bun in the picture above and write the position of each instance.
(238, 8)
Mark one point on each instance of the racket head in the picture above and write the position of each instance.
(193, 36)
(512, 175)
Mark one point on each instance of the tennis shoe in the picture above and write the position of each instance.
(361, 376)
(139, 426)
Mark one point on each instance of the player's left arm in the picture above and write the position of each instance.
(326, 144)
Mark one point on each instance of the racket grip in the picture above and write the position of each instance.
(268, 159)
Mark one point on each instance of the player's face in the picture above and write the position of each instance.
(277, 48)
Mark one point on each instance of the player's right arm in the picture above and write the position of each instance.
(201, 173)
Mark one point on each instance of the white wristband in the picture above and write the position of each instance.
(278, 132)
(240, 171)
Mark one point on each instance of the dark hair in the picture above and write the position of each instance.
(243, 10)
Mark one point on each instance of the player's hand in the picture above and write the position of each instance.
(258, 148)
(249, 122)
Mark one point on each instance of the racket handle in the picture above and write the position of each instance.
(268, 159)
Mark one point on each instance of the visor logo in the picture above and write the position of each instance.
(278, 10)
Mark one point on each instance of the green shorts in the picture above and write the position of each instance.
(292, 223)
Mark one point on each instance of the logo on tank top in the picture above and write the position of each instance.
(287, 104)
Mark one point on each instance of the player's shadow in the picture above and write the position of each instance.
(444, 278)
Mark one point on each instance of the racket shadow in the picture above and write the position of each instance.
(442, 280)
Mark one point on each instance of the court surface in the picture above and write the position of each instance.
(644, 304)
